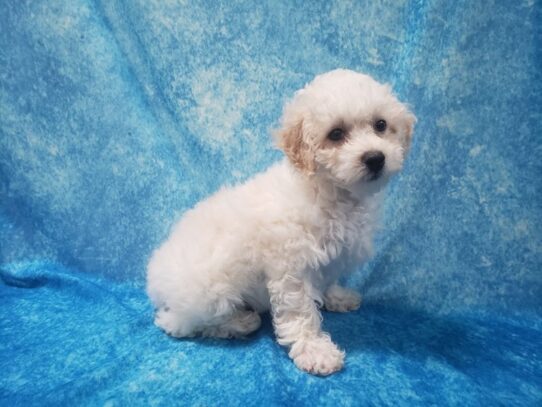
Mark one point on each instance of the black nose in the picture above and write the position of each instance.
(374, 160)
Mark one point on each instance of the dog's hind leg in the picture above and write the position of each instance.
(218, 313)
(341, 299)
(173, 324)
(238, 324)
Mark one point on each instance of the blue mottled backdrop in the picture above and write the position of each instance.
(117, 116)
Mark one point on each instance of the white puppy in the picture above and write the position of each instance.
(282, 240)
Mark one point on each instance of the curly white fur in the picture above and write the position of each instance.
(282, 240)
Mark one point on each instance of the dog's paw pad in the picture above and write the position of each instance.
(339, 299)
(319, 356)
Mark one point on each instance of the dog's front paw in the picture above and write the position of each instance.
(317, 356)
(340, 299)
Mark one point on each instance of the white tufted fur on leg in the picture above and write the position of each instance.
(297, 323)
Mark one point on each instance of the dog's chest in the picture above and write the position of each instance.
(346, 231)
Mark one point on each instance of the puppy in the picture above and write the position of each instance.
(282, 240)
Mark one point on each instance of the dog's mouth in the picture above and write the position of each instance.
(373, 176)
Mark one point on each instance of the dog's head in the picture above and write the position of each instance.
(346, 127)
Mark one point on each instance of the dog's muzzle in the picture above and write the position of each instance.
(374, 161)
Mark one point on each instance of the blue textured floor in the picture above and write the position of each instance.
(117, 116)
(70, 337)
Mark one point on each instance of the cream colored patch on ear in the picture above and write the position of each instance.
(290, 140)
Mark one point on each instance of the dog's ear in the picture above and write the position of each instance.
(290, 140)
(410, 121)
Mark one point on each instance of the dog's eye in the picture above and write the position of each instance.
(336, 134)
(380, 125)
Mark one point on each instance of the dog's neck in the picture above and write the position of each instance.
(346, 219)
(330, 196)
